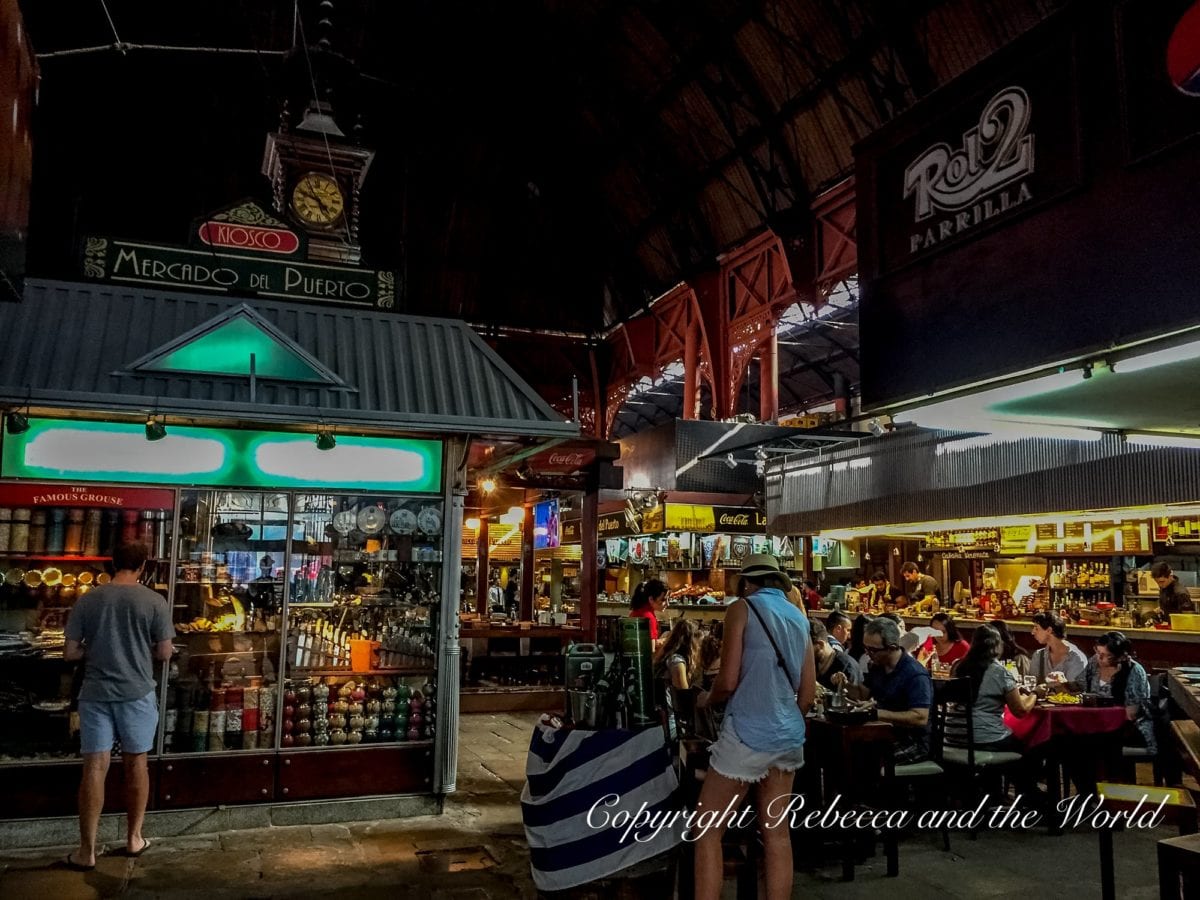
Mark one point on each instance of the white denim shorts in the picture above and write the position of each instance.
(733, 759)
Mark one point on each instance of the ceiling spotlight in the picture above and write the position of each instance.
(876, 428)
(155, 430)
(488, 485)
(1087, 371)
(326, 440)
(730, 461)
(524, 471)
(16, 423)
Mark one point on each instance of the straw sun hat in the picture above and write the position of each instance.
(758, 565)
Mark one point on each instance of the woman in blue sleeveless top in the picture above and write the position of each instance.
(768, 674)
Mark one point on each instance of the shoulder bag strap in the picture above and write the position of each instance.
(770, 637)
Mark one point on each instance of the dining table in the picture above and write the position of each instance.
(854, 761)
(1049, 720)
(1079, 738)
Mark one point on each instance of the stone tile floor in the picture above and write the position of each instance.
(476, 851)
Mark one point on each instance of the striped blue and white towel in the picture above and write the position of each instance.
(583, 789)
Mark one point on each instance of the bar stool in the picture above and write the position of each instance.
(1180, 810)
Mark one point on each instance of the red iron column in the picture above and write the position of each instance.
(768, 379)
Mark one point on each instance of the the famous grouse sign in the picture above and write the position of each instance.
(983, 177)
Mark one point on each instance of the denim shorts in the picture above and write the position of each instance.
(133, 722)
(733, 759)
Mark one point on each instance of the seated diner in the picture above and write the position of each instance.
(900, 686)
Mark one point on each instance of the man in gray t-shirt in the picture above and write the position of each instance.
(118, 630)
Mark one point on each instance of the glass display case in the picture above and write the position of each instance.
(365, 577)
(56, 545)
(228, 609)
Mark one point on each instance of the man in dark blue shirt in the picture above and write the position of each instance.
(900, 686)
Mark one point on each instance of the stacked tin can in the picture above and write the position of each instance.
(250, 717)
(234, 698)
(216, 720)
(266, 716)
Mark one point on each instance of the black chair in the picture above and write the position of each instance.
(1160, 712)
(743, 846)
(958, 747)
(926, 776)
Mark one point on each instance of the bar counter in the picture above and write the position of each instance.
(1156, 649)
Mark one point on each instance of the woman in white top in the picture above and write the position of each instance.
(1056, 653)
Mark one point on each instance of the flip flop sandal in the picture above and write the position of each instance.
(69, 863)
(145, 847)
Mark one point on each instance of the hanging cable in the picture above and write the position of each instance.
(112, 25)
(312, 80)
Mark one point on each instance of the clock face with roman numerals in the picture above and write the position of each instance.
(317, 200)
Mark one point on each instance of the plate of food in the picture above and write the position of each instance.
(1063, 698)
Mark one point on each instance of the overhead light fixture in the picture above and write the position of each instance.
(1155, 358)
(514, 516)
(488, 485)
(730, 461)
(155, 430)
(473, 523)
(326, 440)
(1185, 441)
(16, 423)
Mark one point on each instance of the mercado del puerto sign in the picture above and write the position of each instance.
(243, 251)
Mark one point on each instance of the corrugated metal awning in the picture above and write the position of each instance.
(928, 476)
(73, 346)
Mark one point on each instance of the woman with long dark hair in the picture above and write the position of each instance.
(1011, 653)
(856, 648)
(649, 599)
(994, 688)
(1115, 672)
(946, 642)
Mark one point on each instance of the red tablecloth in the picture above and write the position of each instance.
(1044, 722)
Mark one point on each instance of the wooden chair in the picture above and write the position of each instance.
(742, 845)
(956, 705)
(925, 774)
(1180, 810)
(1179, 867)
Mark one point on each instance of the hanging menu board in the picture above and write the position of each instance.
(1017, 539)
(1074, 537)
(1047, 539)
(1135, 537)
(1104, 537)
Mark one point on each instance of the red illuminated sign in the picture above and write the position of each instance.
(249, 237)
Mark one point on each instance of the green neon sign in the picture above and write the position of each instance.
(227, 349)
(119, 452)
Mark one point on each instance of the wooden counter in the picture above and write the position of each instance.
(1155, 649)
(470, 631)
(673, 610)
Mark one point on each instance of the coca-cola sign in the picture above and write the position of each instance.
(740, 520)
(562, 460)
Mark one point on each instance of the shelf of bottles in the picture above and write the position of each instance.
(228, 611)
(365, 576)
(50, 556)
(1076, 583)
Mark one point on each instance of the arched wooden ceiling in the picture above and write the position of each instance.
(550, 164)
